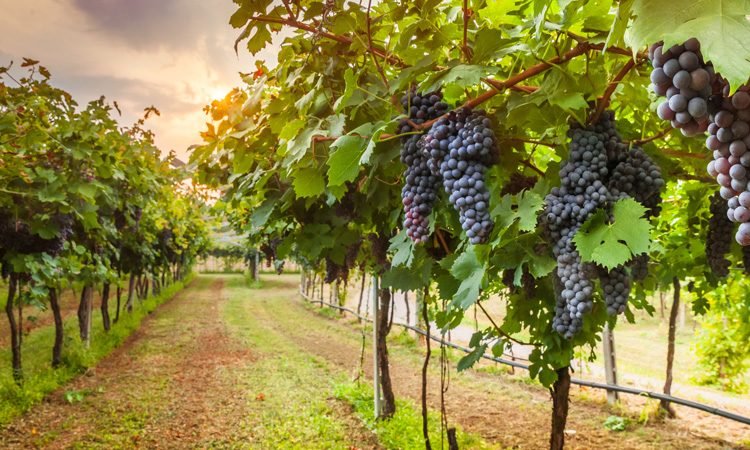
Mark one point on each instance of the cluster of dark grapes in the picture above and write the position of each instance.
(268, 249)
(16, 236)
(719, 236)
(639, 177)
(334, 271)
(528, 282)
(582, 190)
(121, 217)
(165, 238)
(518, 182)
(729, 139)
(420, 188)
(600, 170)
(681, 75)
(461, 146)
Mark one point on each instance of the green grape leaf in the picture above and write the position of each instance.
(470, 271)
(402, 249)
(403, 278)
(470, 359)
(343, 164)
(613, 244)
(308, 183)
(529, 205)
(462, 75)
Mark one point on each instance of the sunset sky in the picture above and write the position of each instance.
(175, 54)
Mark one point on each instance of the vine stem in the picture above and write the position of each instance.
(294, 23)
(682, 154)
(288, 9)
(372, 50)
(530, 141)
(531, 166)
(603, 101)
(442, 241)
(465, 47)
(499, 86)
(498, 329)
(659, 135)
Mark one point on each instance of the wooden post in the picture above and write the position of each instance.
(376, 368)
(610, 363)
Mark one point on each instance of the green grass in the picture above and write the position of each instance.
(41, 379)
(317, 389)
(281, 377)
(404, 430)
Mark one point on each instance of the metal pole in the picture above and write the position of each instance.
(376, 367)
(610, 364)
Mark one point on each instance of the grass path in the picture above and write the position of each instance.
(226, 366)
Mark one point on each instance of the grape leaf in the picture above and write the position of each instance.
(722, 27)
(401, 247)
(529, 204)
(403, 278)
(462, 75)
(497, 12)
(469, 360)
(470, 270)
(308, 183)
(296, 148)
(343, 164)
(613, 244)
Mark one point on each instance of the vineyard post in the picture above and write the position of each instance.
(256, 267)
(59, 330)
(376, 368)
(610, 363)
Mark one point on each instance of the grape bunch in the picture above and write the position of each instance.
(461, 146)
(582, 190)
(16, 235)
(420, 185)
(616, 285)
(633, 174)
(599, 171)
(729, 139)
(681, 75)
(334, 271)
(640, 178)
(517, 183)
(719, 236)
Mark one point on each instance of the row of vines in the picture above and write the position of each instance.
(85, 205)
(365, 147)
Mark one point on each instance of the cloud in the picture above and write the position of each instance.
(174, 54)
(145, 24)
